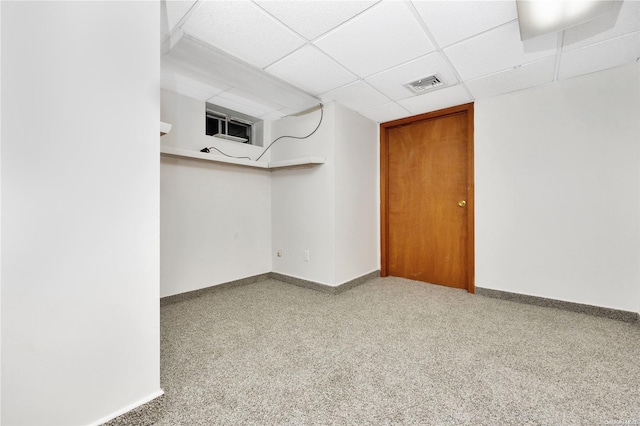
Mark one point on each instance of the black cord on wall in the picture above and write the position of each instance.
(296, 137)
(226, 155)
(207, 149)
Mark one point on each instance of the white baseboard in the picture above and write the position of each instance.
(128, 408)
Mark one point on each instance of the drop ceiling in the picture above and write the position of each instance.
(361, 53)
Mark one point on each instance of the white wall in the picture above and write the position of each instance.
(0, 212)
(80, 173)
(220, 223)
(330, 210)
(303, 201)
(215, 219)
(558, 190)
(356, 184)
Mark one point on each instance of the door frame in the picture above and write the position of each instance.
(384, 186)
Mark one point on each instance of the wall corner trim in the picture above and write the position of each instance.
(142, 413)
(312, 285)
(176, 298)
(324, 288)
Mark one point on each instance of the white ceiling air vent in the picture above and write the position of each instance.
(425, 84)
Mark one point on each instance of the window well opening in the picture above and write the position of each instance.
(233, 126)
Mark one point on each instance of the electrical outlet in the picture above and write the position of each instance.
(306, 255)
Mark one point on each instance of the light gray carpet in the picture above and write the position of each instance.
(392, 351)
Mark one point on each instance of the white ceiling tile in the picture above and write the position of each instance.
(391, 82)
(172, 11)
(382, 37)
(519, 78)
(497, 50)
(311, 70)
(438, 99)
(601, 56)
(604, 28)
(385, 44)
(384, 113)
(452, 21)
(311, 19)
(244, 30)
(356, 96)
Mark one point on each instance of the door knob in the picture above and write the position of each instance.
(462, 203)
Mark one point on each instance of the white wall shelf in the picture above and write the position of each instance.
(298, 162)
(276, 165)
(164, 128)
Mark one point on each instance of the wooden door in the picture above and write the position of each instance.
(427, 197)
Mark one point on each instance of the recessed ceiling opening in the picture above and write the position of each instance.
(426, 84)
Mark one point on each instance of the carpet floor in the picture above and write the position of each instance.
(392, 352)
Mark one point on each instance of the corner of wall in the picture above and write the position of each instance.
(0, 210)
(356, 195)
(303, 199)
(558, 190)
(215, 218)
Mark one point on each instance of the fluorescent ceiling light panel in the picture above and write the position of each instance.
(538, 17)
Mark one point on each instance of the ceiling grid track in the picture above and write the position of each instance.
(362, 54)
(166, 41)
